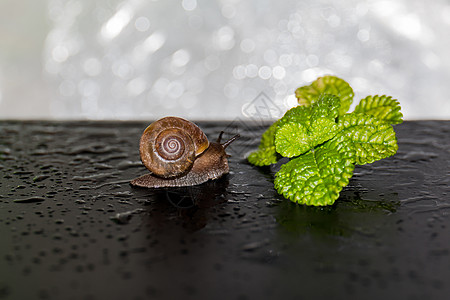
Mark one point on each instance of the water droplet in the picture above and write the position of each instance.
(252, 246)
(125, 217)
(41, 177)
(33, 199)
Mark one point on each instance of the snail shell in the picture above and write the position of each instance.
(178, 153)
(169, 146)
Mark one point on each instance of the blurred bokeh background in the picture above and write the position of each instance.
(209, 59)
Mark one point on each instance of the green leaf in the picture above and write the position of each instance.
(307, 95)
(266, 154)
(381, 107)
(328, 106)
(297, 114)
(327, 142)
(303, 128)
(292, 139)
(371, 138)
(317, 177)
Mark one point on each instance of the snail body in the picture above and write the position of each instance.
(177, 153)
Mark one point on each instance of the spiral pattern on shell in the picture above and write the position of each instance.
(169, 146)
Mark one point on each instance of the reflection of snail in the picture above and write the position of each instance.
(178, 153)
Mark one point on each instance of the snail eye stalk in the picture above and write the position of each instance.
(227, 143)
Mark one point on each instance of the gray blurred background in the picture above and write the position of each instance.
(209, 59)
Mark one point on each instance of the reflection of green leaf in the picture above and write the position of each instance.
(360, 204)
(303, 128)
(382, 107)
(370, 138)
(317, 221)
(307, 95)
(336, 220)
(317, 177)
(266, 154)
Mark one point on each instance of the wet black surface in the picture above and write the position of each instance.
(71, 227)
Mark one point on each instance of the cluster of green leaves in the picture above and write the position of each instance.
(324, 142)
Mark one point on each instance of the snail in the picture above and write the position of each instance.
(177, 153)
